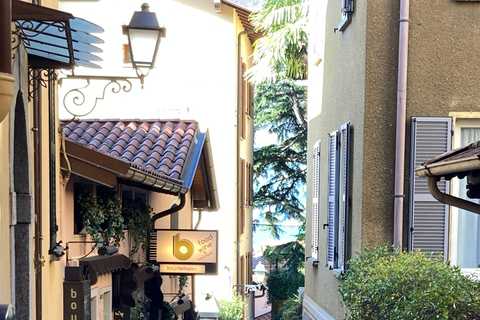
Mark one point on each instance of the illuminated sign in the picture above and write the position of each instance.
(187, 246)
(182, 268)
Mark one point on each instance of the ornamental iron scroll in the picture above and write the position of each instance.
(74, 100)
(27, 30)
(38, 78)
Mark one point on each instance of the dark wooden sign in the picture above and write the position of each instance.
(76, 300)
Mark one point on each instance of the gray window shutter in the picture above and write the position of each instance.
(332, 200)
(344, 195)
(315, 196)
(428, 225)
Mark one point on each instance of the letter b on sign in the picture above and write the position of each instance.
(182, 248)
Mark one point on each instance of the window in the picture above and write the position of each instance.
(338, 198)
(435, 227)
(244, 103)
(82, 189)
(133, 193)
(464, 227)
(94, 304)
(106, 297)
(315, 198)
(347, 11)
(251, 92)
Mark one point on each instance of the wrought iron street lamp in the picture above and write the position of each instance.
(144, 35)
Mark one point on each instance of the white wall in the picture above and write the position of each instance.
(194, 78)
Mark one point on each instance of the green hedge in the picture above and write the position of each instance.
(389, 284)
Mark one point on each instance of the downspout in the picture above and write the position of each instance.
(237, 142)
(399, 195)
(173, 209)
(450, 200)
(37, 140)
(237, 150)
(37, 158)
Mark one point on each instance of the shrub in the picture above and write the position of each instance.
(231, 309)
(291, 309)
(284, 284)
(389, 284)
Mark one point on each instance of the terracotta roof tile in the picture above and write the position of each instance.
(157, 146)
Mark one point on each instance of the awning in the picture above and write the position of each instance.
(462, 162)
(457, 163)
(100, 265)
(55, 39)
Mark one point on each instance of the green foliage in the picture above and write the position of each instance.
(282, 49)
(291, 309)
(102, 216)
(280, 169)
(231, 309)
(136, 213)
(167, 312)
(390, 284)
(142, 305)
(284, 284)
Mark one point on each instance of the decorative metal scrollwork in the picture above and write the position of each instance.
(38, 78)
(27, 29)
(76, 98)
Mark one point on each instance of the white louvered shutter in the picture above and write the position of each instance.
(344, 195)
(428, 225)
(315, 196)
(332, 200)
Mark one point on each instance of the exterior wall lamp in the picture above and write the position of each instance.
(250, 289)
(144, 35)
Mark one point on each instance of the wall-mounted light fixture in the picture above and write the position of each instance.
(144, 35)
(259, 273)
(106, 250)
(57, 251)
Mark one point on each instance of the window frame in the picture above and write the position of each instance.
(107, 307)
(315, 199)
(459, 123)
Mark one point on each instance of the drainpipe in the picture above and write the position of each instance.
(399, 195)
(173, 209)
(38, 195)
(239, 125)
(450, 200)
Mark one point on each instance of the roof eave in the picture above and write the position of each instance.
(449, 168)
(89, 162)
(202, 149)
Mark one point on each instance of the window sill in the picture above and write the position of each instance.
(337, 272)
(312, 261)
(345, 22)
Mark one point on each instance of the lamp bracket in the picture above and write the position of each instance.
(74, 99)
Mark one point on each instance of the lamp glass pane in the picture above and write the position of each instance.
(143, 44)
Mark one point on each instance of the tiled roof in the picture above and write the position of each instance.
(266, 316)
(156, 146)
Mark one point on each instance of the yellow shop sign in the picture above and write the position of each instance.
(188, 246)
